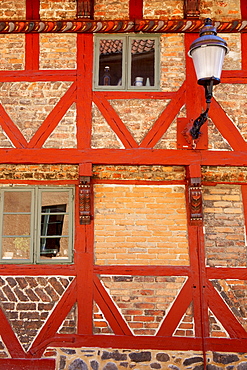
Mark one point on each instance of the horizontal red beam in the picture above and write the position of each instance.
(127, 341)
(132, 156)
(35, 270)
(27, 364)
(144, 270)
(29, 76)
(226, 273)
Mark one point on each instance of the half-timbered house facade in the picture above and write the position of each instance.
(122, 239)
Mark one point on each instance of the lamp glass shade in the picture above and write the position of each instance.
(208, 61)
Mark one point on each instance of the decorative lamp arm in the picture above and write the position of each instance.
(199, 121)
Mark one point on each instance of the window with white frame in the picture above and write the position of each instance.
(126, 62)
(36, 224)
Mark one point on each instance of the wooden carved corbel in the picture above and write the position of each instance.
(195, 199)
(191, 8)
(85, 9)
(85, 200)
(195, 195)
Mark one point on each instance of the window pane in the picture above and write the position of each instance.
(54, 224)
(16, 224)
(60, 252)
(142, 62)
(110, 62)
(52, 198)
(17, 201)
(16, 248)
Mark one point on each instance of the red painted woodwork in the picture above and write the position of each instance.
(177, 311)
(32, 9)
(8, 336)
(27, 364)
(54, 321)
(85, 8)
(135, 9)
(191, 8)
(243, 7)
(114, 121)
(165, 119)
(32, 41)
(84, 90)
(86, 287)
(53, 118)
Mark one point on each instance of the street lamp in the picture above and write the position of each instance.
(208, 52)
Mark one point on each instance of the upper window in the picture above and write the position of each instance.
(127, 62)
(36, 224)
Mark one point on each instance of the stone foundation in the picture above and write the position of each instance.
(109, 359)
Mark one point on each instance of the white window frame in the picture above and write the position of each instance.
(126, 62)
(35, 223)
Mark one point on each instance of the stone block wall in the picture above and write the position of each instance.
(115, 359)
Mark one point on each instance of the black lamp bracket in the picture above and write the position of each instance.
(199, 121)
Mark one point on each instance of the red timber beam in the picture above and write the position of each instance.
(32, 41)
(118, 26)
(136, 9)
(243, 7)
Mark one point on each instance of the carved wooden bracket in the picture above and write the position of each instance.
(195, 199)
(85, 200)
(195, 194)
(191, 8)
(85, 9)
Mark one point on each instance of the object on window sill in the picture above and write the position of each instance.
(107, 76)
(139, 81)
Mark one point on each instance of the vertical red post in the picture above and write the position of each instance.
(243, 7)
(84, 264)
(136, 9)
(244, 50)
(84, 89)
(32, 40)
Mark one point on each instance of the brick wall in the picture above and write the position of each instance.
(144, 300)
(102, 134)
(224, 226)
(172, 62)
(147, 173)
(28, 301)
(57, 9)
(111, 9)
(232, 98)
(140, 225)
(13, 9)
(163, 9)
(139, 115)
(38, 172)
(220, 10)
(12, 52)
(29, 103)
(58, 51)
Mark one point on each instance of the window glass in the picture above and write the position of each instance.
(16, 248)
(126, 62)
(16, 225)
(54, 225)
(36, 225)
(17, 201)
(142, 62)
(110, 62)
